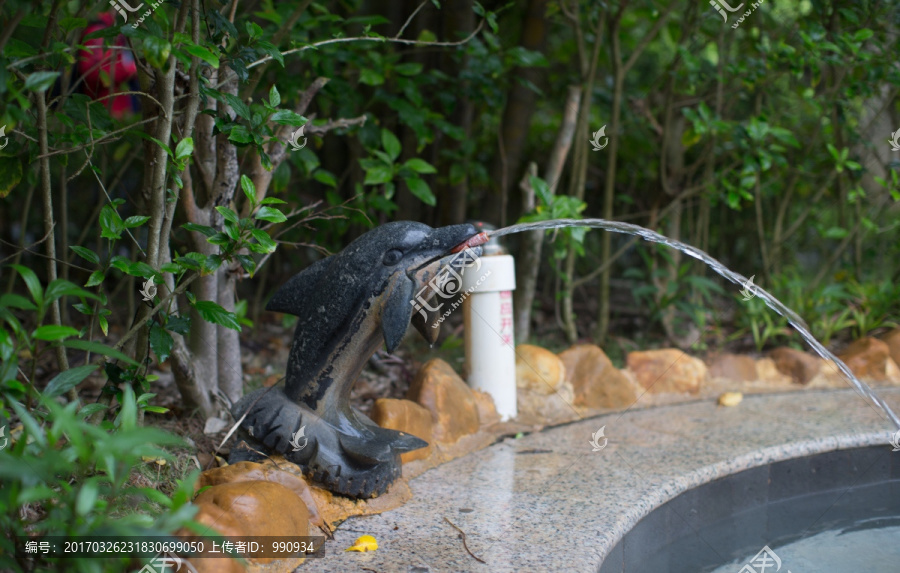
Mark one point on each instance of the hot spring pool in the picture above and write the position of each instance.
(870, 546)
(837, 512)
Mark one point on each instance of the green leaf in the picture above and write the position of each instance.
(420, 189)
(420, 166)
(249, 189)
(202, 53)
(247, 263)
(65, 381)
(863, 35)
(391, 144)
(378, 174)
(270, 214)
(270, 49)
(264, 240)
(408, 69)
(184, 148)
(96, 278)
(87, 497)
(254, 30)
(16, 301)
(161, 342)
(272, 201)
(99, 348)
(60, 287)
(287, 117)
(91, 409)
(86, 254)
(111, 224)
(325, 177)
(212, 312)
(10, 174)
(135, 221)
(208, 231)
(52, 332)
(40, 81)
(240, 134)
(156, 51)
(836, 233)
(274, 96)
(32, 282)
(179, 324)
(228, 214)
(370, 77)
(237, 105)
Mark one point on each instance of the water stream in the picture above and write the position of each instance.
(771, 301)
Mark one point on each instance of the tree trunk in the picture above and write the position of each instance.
(530, 247)
(520, 106)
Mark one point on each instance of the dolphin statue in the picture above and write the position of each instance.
(349, 305)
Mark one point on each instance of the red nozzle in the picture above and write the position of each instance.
(473, 241)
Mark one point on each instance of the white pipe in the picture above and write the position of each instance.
(488, 316)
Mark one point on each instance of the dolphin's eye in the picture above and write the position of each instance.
(392, 257)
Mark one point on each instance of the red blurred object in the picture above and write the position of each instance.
(105, 71)
(473, 241)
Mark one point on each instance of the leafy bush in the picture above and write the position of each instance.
(61, 475)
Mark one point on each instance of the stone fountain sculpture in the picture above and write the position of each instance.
(349, 305)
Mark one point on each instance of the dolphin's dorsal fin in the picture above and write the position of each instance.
(292, 294)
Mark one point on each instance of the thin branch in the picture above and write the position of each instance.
(28, 250)
(94, 142)
(140, 323)
(408, 20)
(462, 535)
(367, 39)
(336, 124)
(22, 247)
(103, 187)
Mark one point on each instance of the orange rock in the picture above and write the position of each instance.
(595, 381)
(442, 392)
(487, 410)
(218, 521)
(892, 339)
(667, 370)
(733, 367)
(249, 471)
(262, 508)
(800, 366)
(867, 358)
(766, 371)
(538, 408)
(404, 416)
(538, 369)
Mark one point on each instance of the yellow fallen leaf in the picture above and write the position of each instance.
(157, 461)
(364, 543)
(730, 399)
